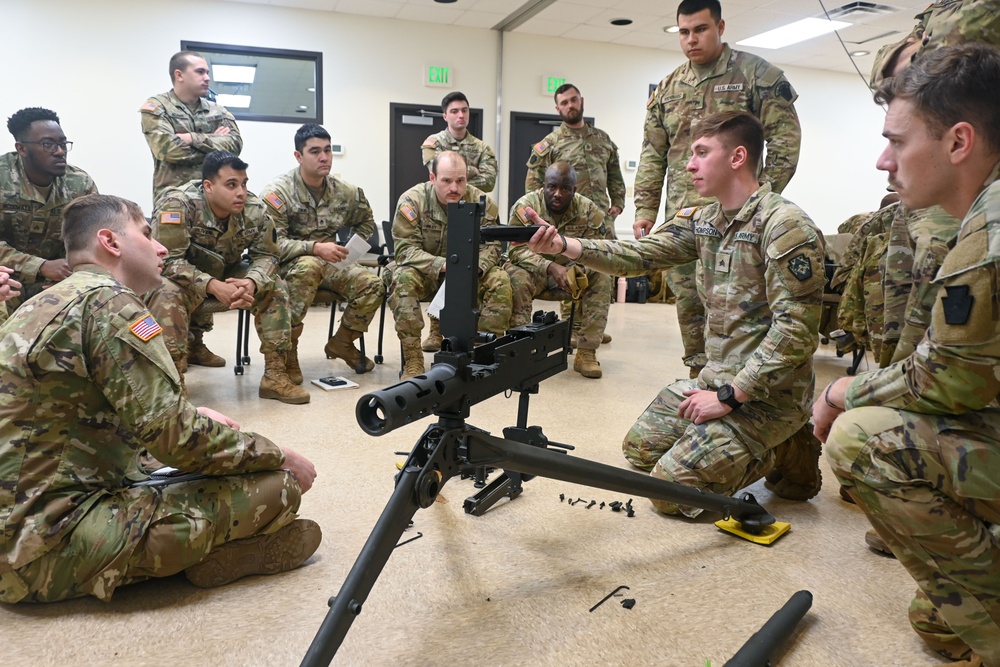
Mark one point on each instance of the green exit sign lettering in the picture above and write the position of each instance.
(550, 84)
(438, 76)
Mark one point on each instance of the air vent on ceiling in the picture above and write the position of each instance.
(859, 10)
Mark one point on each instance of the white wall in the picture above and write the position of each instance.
(96, 62)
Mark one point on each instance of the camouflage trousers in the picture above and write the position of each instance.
(591, 311)
(721, 456)
(360, 288)
(928, 484)
(174, 307)
(410, 286)
(683, 282)
(184, 522)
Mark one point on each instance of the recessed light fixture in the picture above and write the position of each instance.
(303, 107)
(793, 33)
(671, 28)
(621, 21)
(310, 90)
(445, 2)
(858, 54)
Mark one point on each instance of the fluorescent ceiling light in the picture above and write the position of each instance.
(793, 33)
(235, 101)
(234, 73)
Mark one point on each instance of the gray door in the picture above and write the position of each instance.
(410, 124)
(527, 129)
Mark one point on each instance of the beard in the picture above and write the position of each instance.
(573, 116)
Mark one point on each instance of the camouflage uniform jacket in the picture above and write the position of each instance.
(583, 219)
(594, 157)
(480, 161)
(420, 230)
(174, 162)
(30, 228)
(953, 370)
(738, 82)
(300, 222)
(202, 247)
(87, 383)
(945, 23)
(762, 285)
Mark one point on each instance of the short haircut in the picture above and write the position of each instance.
(453, 97)
(216, 160)
(951, 85)
(565, 88)
(21, 121)
(453, 154)
(557, 169)
(689, 7)
(307, 132)
(181, 60)
(84, 216)
(734, 128)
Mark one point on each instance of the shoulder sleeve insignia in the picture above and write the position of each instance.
(801, 267)
(145, 328)
(652, 97)
(957, 304)
(522, 213)
(430, 142)
(408, 212)
(687, 212)
(541, 147)
(274, 200)
(148, 107)
(170, 218)
(784, 91)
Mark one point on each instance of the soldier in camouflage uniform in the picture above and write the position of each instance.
(207, 225)
(9, 289)
(181, 128)
(35, 184)
(420, 232)
(716, 78)
(746, 415)
(943, 23)
(479, 157)
(309, 207)
(545, 276)
(85, 365)
(917, 446)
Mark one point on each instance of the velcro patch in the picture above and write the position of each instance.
(148, 107)
(522, 213)
(687, 212)
(146, 328)
(801, 267)
(957, 305)
(429, 142)
(652, 96)
(408, 212)
(170, 218)
(541, 147)
(274, 200)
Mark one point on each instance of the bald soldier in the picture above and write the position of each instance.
(85, 365)
(554, 277)
(479, 157)
(715, 78)
(420, 232)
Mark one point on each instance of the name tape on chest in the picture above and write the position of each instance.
(170, 218)
(728, 88)
(748, 237)
(707, 230)
(145, 328)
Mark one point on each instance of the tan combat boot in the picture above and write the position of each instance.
(586, 364)
(413, 358)
(292, 357)
(275, 383)
(796, 474)
(276, 552)
(341, 346)
(200, 355)
(433, 341)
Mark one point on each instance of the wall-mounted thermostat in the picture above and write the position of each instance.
(338, 149)
(631, 165)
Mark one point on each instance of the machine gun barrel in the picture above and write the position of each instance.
(761, 647)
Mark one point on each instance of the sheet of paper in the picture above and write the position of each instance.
(437, 303)
(357, 248)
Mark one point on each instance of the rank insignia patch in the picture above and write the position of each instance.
(801, 267)
(146, 328)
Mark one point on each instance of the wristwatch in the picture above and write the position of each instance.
(727, 396)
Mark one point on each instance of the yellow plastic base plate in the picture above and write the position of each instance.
(766, 536)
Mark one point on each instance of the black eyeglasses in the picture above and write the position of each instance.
(51, 146)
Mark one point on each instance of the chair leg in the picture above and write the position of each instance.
(238, 368)
(246, 337)
(381, 332)
(333, 316)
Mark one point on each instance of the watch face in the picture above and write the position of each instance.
(725, 393)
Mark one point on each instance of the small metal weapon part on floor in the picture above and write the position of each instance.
(463, 375)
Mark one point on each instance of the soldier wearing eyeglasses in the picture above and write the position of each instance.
(36, 183)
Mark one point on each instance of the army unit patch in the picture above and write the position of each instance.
(274, 200)
(957, 305)
(146, 328)
(801, 267)
(408, 213)
(170, 218)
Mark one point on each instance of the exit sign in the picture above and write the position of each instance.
(550, 84)
(439, 76)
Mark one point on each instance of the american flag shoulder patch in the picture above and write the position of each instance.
(407, 211)
(145, 328)
(522, 213)
(170, 218)
(274, 200)
(430, 142)
(148, 106)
